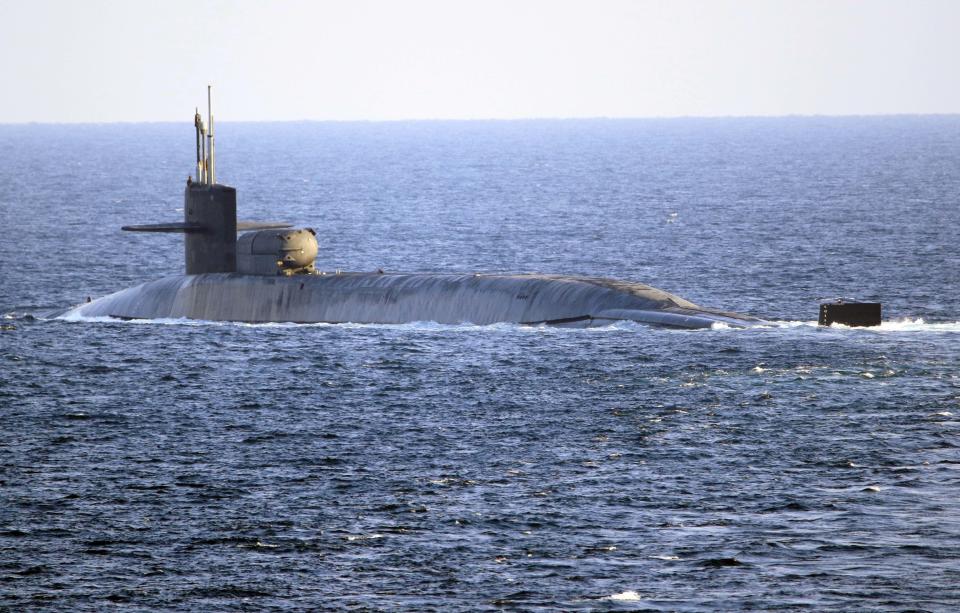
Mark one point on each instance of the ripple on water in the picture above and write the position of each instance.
(188, 465)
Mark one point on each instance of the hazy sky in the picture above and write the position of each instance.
(105, 60)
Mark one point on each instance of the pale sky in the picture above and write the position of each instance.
(111, 60)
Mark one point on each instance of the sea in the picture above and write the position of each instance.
(181, 465)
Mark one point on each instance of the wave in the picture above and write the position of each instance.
(904, 325)
(74, 317)
(892, 326)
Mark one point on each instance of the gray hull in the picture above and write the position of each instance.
(401, 298)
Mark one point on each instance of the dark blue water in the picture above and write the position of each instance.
(206, 466)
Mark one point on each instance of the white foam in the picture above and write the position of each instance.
(918, 325)
(895, 326)
(416, 326)
(363, 537)
(75, 316)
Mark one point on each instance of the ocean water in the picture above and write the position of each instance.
(182, 465)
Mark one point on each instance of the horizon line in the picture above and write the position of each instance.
(498, 119)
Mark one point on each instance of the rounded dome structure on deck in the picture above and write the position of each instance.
(277, 252)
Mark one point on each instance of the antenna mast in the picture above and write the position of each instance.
(198, 126)
(211, 168)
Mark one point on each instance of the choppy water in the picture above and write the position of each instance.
(196, 465)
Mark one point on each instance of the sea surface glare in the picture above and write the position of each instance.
(184, 465)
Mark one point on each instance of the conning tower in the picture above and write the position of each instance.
(212, 208)
(209, 210)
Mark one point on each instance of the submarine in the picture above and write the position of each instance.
(269, 274)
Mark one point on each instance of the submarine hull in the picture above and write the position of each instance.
(269, 276)
(378, 298)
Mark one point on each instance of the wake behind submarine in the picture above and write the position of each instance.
(268, 274)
